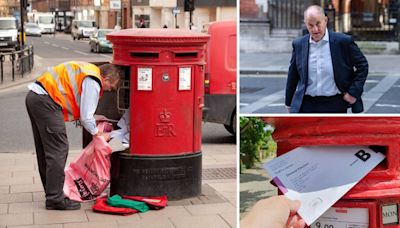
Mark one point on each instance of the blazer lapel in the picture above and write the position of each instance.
(334, 54)
(304, 53)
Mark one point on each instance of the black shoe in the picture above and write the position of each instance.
(65, 204)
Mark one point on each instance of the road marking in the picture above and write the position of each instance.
(65, 48)
(371, 81)
(276, 105)
(374, 94)
(46, 42)
(388, 105)
(263, 75)
(243, 104)
(264, 101)
(38, 57)
(55, 45)
(79, 52)
(396, 86)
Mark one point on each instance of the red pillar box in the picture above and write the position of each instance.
(377, 195)
(166, 76)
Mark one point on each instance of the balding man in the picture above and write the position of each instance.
(69, 91)
(327, 70)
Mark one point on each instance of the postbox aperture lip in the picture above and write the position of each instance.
(158, 36)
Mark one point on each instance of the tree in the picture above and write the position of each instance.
(254, 135)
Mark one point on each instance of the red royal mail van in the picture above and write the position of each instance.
(220, 75)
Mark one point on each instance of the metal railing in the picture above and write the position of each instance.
(16, 63)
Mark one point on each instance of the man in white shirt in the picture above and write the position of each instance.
(321, 77)
(67, 92)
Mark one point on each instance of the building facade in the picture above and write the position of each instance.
(365, 19)
(144, 13)
(9, 8)
(4, 8)
(171, 14)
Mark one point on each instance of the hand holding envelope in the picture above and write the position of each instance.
(275, 211)
(320, 176)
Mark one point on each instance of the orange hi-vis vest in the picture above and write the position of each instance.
(63, 83)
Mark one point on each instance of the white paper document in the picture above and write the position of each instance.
(120, 137)
(319, 176)
(116, 145)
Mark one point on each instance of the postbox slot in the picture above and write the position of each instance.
(145, 55)
(383, 149)
(185, 55)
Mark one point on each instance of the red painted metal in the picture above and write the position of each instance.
(165, 121)
(221, 58)
(382, 185)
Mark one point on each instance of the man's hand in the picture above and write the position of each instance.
(276, 211)
(105, 135)
(350, 99)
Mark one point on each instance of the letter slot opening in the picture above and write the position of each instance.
(145, 55)
(186, 55)
(382, 149)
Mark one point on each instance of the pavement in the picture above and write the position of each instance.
(278, 63)
(254, 186)
(22, 201)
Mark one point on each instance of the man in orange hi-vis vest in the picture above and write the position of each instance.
(67, 92)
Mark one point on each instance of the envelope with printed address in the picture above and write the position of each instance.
(319, 176)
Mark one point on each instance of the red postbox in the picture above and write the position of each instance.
(165, 73)
(378, 193)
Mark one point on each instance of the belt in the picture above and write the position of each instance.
(308, 97)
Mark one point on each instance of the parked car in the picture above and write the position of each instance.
(8, 34)
(32, 29)
(98, 42)
(82, 29)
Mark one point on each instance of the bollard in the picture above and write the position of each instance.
(12, 58)
(2, 59)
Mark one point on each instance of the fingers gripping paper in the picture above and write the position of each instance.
(320, 176)
(89, 174)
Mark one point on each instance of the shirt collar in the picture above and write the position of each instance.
(325, 38)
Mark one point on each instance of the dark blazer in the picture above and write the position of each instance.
(350, 69)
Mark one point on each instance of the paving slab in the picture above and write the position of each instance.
(16, 219)
(209, 221)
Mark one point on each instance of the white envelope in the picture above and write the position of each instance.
(319, 176)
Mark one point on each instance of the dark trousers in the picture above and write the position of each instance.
(321, 104)
(51, 143)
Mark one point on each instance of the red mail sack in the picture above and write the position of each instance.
(88, 176)
(102, 206)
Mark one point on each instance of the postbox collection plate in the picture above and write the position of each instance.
(389, 214)
(185, 74)
(145, 79)
(343, 218)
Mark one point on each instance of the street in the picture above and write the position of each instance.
(21, 190)
(266, 94)
(263, 82)
(15, 126)
(62, 46)
(16, 133)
